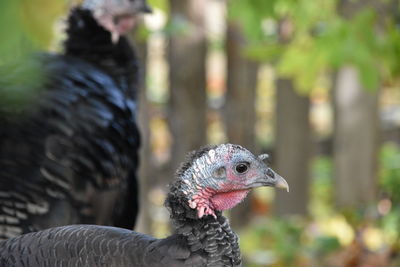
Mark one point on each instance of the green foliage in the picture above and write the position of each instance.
(250, 14)
(323, 245)
(389, 180)
(163, 5)
(321, 201)
(390, 224)
(142, 33)
(282, 237)
(26, 26)
(284, 242)
(318, 40)
(391, 50)
(339, 43)
(20, 83)
(178, 25)
(303, 61)
(256, 51)
(390, 171)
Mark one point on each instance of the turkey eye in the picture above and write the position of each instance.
(241, 168)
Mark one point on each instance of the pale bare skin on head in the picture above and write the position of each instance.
(116, 16)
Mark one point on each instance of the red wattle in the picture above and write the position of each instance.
(227, 200)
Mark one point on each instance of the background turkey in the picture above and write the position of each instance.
(212, 179)
(70, 154)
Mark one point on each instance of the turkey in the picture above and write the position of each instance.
(69, 155)
(213, 179)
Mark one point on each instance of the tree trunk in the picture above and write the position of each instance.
(293, 145)
(355, 141)
(356, 121)
(187, 74)
(240, 111)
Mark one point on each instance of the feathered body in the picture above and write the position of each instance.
(200, 239)
(70, 155)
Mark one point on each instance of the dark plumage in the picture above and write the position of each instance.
(214, 179)
(70, 154)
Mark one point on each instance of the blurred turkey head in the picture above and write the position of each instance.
(116, 16)
(218, 178)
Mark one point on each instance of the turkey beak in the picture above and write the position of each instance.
(281, 183)
(268, 177)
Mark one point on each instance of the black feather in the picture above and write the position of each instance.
(191, 156)
(206, 241)
(76, 139)
(203, 242)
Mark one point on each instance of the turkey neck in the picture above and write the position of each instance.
(87, 40)
(211, 236)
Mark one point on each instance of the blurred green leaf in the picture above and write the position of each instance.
(391, 49)
(390, 171)
(163, 5)
(27, 26)
(251, 14)
(325, 244)
(142, 33)
(21, 82)
(303, 61)
(281, 236)
(261, 52)
(321, 201)
(321, 40)
(178, 25)
(391, 226)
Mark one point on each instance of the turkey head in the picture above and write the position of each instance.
(116, 16)
(218, 178)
